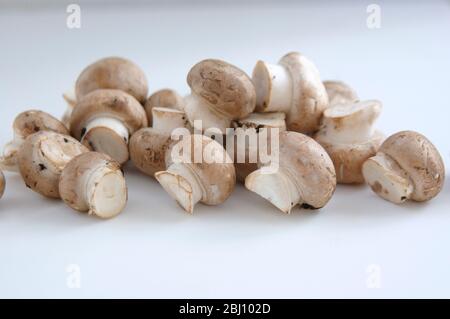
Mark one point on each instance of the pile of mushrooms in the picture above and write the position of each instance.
(284, 133)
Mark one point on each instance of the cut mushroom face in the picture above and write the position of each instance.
(407, 166)
(113, 73)
(305, 177)
(220, 93)
(42, 157)
(93, 182)
(163, 98)
(104, 119)
(348, 135)
(292, 86)
(206, 180)
(2, 183)
(25, 124)
(148, 145)
(339, 93)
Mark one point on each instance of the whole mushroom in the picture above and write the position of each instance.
(209, 179)
(305, 175)
(93, 182)
(339, 92)
(163, 98)
(112, 73)
(292, 86)
(407, 166)
(148, 145)
(221, 93)
(348, 135)
(25, 124)
(103, 120)
(42, 157)
(2, 183)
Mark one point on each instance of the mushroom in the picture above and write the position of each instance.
(112, 73)
(27, 123)
(71, 101)
(104, 120)
(305, 175)
(2, 183)
(407, 166)
(243, 140)
(209, 179)
(348, 135)
(163, 98)
(339, 92)
(93, 182)
(148, 145)
(292, 86)
(220, 93)
(42, 157)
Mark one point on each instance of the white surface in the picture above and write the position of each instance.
(243, 248)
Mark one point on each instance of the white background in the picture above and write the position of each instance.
(244, 247)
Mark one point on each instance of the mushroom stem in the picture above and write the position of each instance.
(278, 188)
(273, 85)
(104, 191)
(182, 184)
(387, 178)
(198, 108)
(165, 120)
(8, 161)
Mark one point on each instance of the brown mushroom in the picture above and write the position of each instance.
(407, 166)
(166, 98)
(292, 86)
(103, 120)
(2, 183)
(339, 93)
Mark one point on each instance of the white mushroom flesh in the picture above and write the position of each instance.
(200, 113)
(387, 179)
(273, 85)
(165, 120)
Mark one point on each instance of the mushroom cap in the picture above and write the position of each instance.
(217, 179)
(71, 190)
(42, 157)
(348, 159)
(163, 98)
(227, 89)
(107, 103)
(310, 166)
(309, 97)
(32, 121)
(420, 159)
(148, 149)
(113, 73)
(339, 92)
(2, 183)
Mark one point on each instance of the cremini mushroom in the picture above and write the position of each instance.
(2, 183)
(71, 101)
(292, 86)
(112, 73)
(27, 123)
(42, 157)
(148, 145)
(104, 120)
(305, 175)
(247, 139)
(209, 179)
(407, 166)
(93, 182)
(339, 92)
(349, 137)
(220, 93)
(163, 98)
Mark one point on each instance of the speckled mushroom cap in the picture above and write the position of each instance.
(42, 157)
(2, 184)
(420, 159)
(148, 148)
(227, 89)
(217, 179)
(83, 164)
(309, 97)
(339, 92)
(32, 121)
(107, 103)
(163, 98)
(113, 73)
(309, 166)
